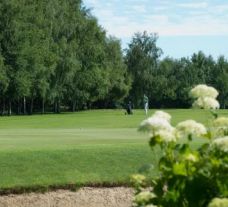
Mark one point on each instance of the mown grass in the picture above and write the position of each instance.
(91, 147)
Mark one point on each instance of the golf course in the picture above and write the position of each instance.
(88, 148)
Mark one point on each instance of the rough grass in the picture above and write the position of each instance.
(84, 148)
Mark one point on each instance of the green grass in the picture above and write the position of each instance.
(83, 148)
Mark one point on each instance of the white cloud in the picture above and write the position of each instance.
(200, 5)
(139, 8)
(220, 8)
(91, 2)
(160, 8)
(156, 19)
(201, 19)
(123, 27)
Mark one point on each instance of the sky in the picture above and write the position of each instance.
(183, 26)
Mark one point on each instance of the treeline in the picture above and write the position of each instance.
(55, 57)
(167, 82)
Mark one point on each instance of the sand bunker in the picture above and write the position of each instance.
(85, 197)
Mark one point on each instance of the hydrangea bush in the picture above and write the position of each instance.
(188, 176)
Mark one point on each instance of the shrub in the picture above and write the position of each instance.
(188, 177)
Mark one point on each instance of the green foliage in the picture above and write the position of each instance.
(141, 59)
(221, 82)
(188, 176)
(3, 77)
(55, 52)
(168, 81)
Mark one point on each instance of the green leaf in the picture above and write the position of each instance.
(184, 149)
(179, 169)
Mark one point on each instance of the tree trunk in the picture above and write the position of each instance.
(73, 106)
(31, 107)
(18, 106)
(24, 102)
(9, 109)
(88, 105)
(55, 107)
(58, 106)
(3, 107)
(43, 110)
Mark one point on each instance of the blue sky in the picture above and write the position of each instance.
(183, 26)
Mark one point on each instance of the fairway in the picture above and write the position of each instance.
(83, 148)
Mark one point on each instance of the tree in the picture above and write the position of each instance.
(119, 80)
(4, 82)
(221, 80)
(53, 53)
(142, 59)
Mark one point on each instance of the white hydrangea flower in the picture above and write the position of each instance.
(221, 126)
(163, 115)
(204, 91)
(221, 122)
(219, 202)
(138, 179)
(144, 197)
(221, 143)
(190, 127)
(155, 124)
(151, 205)
(206, 103)
(159, 125)
(167, 136)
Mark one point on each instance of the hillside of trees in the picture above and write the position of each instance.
(54, 56)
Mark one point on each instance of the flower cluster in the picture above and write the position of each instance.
(221, 122)
(221, 144)
(158, 126)
(221, 126)
(206, 103)
(203, 91)
(144, 198)
(155, 124)
(181, 164)
(162, 115)
(190, 128)
(205, 97)
(219, 202)
(138, 180)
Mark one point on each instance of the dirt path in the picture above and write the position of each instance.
(85, 197)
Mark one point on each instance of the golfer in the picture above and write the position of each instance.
(145, 101)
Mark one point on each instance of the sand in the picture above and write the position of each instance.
(84, 197)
